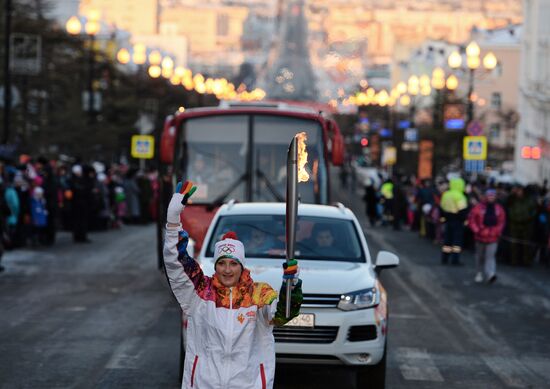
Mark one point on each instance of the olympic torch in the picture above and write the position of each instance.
(295, 172)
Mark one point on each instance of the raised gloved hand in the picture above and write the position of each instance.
(291, 272)
(179, 200)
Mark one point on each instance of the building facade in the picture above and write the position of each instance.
(534, 99)
(140, 17)
(496, 92)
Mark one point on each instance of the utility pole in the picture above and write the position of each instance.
(7, 76)
(91, 65)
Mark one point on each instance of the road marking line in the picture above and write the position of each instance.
(123, 357)
(407, 316)
(508, 369)
(539, 365)
(417, 365)
(469, 319)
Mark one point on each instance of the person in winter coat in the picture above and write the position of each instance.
(522, 213)
(487, 220)
(12, 217)
(229, 338)
(371, 202)
(132, 192)
(39, 216)
(81, 186)
(386, 191)
(454, 210)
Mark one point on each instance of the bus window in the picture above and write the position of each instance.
(213, 155)
(272, 136)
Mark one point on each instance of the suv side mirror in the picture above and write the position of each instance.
(337, 143)
(386, 260)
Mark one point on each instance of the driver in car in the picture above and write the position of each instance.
(324, 241)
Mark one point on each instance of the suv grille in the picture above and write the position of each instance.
(361, 333)
(321, 300)
(321, 334)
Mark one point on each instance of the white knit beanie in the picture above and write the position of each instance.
(230, 247)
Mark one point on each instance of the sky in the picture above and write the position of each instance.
(64, 9)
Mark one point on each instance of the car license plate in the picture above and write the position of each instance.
(303, 320)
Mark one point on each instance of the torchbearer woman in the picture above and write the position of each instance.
(229, 342)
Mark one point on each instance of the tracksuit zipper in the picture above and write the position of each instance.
(230, 340)
(193, 371)
(262, 375)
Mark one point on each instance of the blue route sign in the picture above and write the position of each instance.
(474, 166)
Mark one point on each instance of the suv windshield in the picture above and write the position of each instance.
(317, 238)
(214, 152)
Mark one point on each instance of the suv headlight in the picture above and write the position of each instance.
(366, 298)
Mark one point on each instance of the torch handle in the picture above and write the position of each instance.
(291, 210)
(288, 294)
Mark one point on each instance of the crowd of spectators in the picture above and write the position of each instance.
(39, 197)
(525, 236)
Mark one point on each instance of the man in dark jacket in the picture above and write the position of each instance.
(81, 187)
(50, 187)
(522, 212)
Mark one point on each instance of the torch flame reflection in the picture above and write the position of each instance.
(303, 176)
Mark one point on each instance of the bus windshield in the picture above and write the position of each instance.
(215, 153)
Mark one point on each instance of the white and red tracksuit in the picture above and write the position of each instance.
(229, 338)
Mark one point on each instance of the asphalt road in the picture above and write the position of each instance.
(100, 315)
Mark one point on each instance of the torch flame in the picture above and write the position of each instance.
(301, 138)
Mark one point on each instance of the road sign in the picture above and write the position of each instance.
(474, 128)
(411, 135)
(403, 124)
(409, 146)
(454, 124)
(474, 166)
(389, 156)
(26, 58)
(475, 148)
(385, 132)
(143, 146)
(453, 116)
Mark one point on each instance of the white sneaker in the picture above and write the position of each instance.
(479, 278)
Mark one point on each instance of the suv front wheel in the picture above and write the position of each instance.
(373, 377)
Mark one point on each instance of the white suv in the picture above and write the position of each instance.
(343, 319)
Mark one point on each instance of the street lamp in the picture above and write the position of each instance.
(167, 66)
(413, 88)
(140, 54)
(91, 29)
(452, 82)
(123, 56)
(473, 62)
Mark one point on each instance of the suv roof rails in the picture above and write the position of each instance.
(340, 206)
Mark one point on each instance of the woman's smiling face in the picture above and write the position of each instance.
(228, 271)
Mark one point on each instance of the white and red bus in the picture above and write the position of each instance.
(238, 151)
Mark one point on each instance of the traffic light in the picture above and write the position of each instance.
(364, 142)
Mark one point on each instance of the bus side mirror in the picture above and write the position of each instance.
(337, 145)
(167, 144)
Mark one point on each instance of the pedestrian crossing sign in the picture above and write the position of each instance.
(475, 148)
(143, 146)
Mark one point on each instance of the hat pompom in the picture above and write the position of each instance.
(230, 235)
